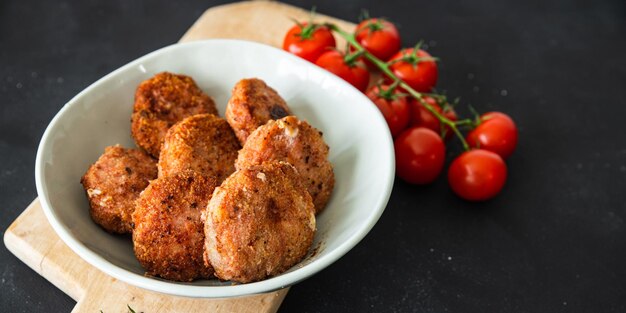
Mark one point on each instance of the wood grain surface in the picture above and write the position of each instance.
(32, 239)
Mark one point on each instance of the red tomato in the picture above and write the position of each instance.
(418, 69)
(420, 116)
(497, 133)
(394, 107)
(308, 41)
(420, 154)
(477, 175)
(379, 37)
(355, 73)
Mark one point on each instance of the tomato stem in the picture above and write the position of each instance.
(308, 28)
(384, 67)
(466, 121)
(374, 26)
(351, 58)
(388, 94)
(307, 31)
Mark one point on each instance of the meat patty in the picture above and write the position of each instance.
(113, 184)
(169, 235)
(251, 105)
(259, 223)
(203, 143)
(160, 102)
(298, 143)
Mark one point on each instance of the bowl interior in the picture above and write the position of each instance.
(360, 150)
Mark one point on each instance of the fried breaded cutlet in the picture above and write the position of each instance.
(251, 105)
(204, 143)
(298, 143)
(114, 182)
(162, 101)
(259, 223)
(168, 237)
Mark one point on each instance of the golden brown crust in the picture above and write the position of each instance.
(114, 182)
(259, 223)
(160, 102)
(298, 143)
(251, 105)
(203, 143)
(168, 237)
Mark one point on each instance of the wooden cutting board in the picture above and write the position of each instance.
(33, 240)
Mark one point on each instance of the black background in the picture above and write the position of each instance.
(553, 241)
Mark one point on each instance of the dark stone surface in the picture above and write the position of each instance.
(553, 241)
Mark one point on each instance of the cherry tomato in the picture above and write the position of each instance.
(420, 116)
(308, 41)
(417, 69)
(352, 71)
(420, 154)
(379, 37)
(497, 133)
(477, 175)
(394, 107)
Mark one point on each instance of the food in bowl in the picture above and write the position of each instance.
(298, 143)
(251, 229)
(168, 234)
(203, 143)
(259, 222)
(113, 184)
(162, 101)
(251, 105)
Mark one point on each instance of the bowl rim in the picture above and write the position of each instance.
(180, 289)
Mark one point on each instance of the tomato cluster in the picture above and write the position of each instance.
(420, 121)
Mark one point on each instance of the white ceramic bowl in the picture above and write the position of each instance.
(361, 150)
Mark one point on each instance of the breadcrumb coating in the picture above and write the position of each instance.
(251, 105)
(114, 182)
(298, 143)
(259, 223)
(162, 101)
(204, 143)
(168, 237)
